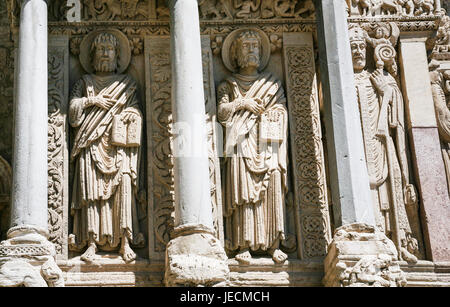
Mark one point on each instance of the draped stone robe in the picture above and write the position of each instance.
(382, 121)
(442, 108)
(105, 175)
(255, 175)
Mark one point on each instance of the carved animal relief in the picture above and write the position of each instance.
(403, 8)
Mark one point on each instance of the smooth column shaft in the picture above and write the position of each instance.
(192, 186)
(348, 171)
(29, 192)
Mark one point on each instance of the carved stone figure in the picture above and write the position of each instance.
(362, 256)
(20, 273)
(308, 8)
(424, 7)
(252, 108)
(285, 8)
(382, 118)
(440, 86)
(407, 7)
(374, 271)
(110, 9)
(215, 9)
(246, 7)
(104, 110)
(267, 9)
(394, 7)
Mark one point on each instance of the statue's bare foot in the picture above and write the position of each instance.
(244, 256)
(89, 254)
(278, 256)
(407, 256)
(127, 253)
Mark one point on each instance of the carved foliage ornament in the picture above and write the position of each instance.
(56, 142)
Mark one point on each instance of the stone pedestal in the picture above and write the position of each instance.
(361, 256)
(193, 256)
(27, 257)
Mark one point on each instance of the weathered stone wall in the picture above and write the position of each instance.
(291, 29)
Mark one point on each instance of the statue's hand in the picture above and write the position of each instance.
(254, 105)
(101, 102)
(379, 81)
(410, 195)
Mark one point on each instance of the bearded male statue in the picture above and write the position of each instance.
(382, 118)
(104, 110)
(252, 108)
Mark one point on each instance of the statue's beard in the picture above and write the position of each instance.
(248, 60)
(105, 65)
(359, 62)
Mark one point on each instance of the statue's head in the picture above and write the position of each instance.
(105, 52)
(358, 46)
(246, 50)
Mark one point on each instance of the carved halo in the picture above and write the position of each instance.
(124, 45)
(226, 48)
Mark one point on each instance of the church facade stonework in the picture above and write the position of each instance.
(225, 143)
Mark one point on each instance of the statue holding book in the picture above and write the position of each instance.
(104, 110)
(252, 108)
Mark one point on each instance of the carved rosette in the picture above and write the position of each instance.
(306, 147)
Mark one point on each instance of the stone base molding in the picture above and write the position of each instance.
(195, 257)
(27, 259)
(361, 256)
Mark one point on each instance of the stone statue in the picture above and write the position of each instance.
(252, 108)
(440, 86)
(104, 110)
(382, 119)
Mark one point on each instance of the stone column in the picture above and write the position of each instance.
(27, 257)
(438, 6)
(357, 245)
(426, 149)
(193, 256)
(347, 164)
